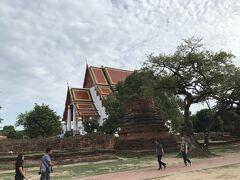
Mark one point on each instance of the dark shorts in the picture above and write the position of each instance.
(45, 176)
(18, 177)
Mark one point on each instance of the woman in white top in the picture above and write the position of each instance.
(184, 151)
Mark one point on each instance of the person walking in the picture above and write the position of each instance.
(46, 165)
(160, 154)
(20, 174)
(184, 151)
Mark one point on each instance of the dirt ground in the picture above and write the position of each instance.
(223, 168)
(221, 173)
(230, 172)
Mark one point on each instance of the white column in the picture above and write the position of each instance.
(77, 128)
(74, 120)
(69, 119)
(81, 129)
(64, 127)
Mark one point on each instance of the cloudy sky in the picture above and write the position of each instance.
(45, 44)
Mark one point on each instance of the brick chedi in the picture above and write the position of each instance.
(141, 126)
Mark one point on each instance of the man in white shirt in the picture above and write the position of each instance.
(184, 151)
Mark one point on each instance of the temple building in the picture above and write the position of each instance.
(86, 103)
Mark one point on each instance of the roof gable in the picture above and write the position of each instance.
(88, 81)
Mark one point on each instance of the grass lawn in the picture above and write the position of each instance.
(65, 172)
(225, 148)
(93, 168)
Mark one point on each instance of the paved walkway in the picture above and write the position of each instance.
(149, 173)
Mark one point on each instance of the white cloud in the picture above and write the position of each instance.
(44, 44)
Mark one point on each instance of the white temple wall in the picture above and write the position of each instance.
(98, 104)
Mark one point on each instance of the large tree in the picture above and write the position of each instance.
(192, 73)
(42, 121)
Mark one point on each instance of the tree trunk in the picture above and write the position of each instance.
(187, 124)
(196, 148)
(206, 139)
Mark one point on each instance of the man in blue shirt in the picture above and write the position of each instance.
(46, 165)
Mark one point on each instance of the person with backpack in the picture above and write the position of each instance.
(160, 154)
(46, 165)
(184, 151)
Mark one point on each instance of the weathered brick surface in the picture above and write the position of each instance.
(141, 126)
(96, 141)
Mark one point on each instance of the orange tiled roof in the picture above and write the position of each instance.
(98, 76)
(116, 75)
(107, 76)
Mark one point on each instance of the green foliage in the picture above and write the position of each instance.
(15, 135)
(115, 111)
(228, 95)
(205, 120)
(168, 108)
(7, 129)
(68, 134)
(231, 121)
(10, 132)
(90, 125)
(42, 121)
(228, 102)
(133, 87)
